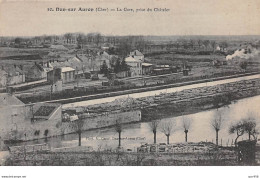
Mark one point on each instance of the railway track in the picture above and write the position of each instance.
(146, 89)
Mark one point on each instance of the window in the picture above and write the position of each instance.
(65, 76)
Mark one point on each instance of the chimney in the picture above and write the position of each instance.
(48, 64)
(21, 67)
(15, 66)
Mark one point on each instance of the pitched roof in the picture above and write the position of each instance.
(39, 67)
(12, 70)
(131, 59)
(75, 59)
(146, 64)
(136, 53)
(8, 99)
(2, 72)
(66, 69)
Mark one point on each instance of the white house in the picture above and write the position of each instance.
(137, 55)
(135, 66)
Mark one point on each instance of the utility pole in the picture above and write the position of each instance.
(31, 108)
(77, 71)
(52, 82)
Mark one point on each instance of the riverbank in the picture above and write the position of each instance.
(189, 101)
(177, 103)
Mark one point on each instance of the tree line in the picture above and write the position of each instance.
(246, 125)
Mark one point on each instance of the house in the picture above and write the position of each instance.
(11, 109)
(135, 66)
(74, 62)
(123, 74)
(106, 46)
(137, 55)
(80, 63)
(37, 72)
(65, 74)
(147, 68)
(21, 121)
(104, 56)
(8, 100)
(12, 75)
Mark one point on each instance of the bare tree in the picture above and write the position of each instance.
(206, 43)
(90, 37)
(118, 128)
(77, 126)
(68, 37)
(237, 128)
(199, 42)
(167, 128)
(216, 124)
(247, 125)
(213, 45)
(192, 43)
(98, 38)
(177, 45)
(81, 40)
(186, 123)
(154, 126)
(250, 126)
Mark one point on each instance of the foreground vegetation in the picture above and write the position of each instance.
(116, 158)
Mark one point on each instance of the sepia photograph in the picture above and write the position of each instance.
(129, 83)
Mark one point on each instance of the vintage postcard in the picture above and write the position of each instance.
(130, 83)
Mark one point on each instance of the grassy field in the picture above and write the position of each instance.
(7, 51)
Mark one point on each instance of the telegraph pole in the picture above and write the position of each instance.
(52, 82)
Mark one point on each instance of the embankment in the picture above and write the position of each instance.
(197, 99)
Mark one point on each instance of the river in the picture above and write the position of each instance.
(135, 134)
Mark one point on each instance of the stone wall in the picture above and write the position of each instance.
(16, 122)
(104, 120)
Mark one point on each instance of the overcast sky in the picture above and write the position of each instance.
(186, 17)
